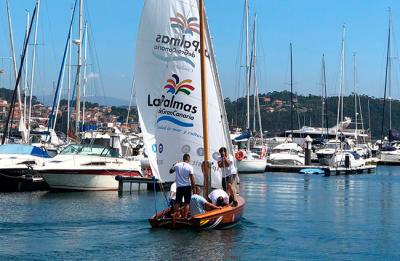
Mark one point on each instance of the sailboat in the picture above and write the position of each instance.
(288, 153)
(390, 153)
(341, 155)
(248, 161)
(172, 71)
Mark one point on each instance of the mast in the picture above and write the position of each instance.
(130, 104)
(84, 73)
(18, 78)
(69, 77)
(255, 80)
(14, 63)
(390, 76)
(325, 98)
(355, 98)
(252, 67)
(33, 67)
(322, 98)
(78, 74)
(247, 71)
(291, 89)
(341, 82)
(204, 98)
(26, 66)
(386, 75)
(369, 121)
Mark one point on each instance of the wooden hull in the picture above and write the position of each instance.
(214, 219)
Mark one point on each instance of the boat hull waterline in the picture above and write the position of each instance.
(85, 180)
(251, 166)
(20, 179)
(215, 219)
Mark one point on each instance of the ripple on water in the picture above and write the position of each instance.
(287, 216)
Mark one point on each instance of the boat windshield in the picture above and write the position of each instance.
(75, 149)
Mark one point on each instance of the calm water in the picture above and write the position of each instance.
(287, 216)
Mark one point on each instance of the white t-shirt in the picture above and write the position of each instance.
(228, 170)
(182, 170)
(197, 205)
(173, 189)
(216, 193)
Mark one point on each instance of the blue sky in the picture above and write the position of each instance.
(313, 26)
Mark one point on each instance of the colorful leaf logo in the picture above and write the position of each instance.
(186, 26)
(174, 86)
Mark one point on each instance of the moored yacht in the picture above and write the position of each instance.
(16, 168)
(347, 159)
(390, 154)
(250, 162)
(88, 168)
(287, 154)
(327, 152)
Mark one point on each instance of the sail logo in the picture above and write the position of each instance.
(170, 107)
(174, 86)
(181, 44)
(185, 25)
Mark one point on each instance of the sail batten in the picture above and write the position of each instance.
(168, 89)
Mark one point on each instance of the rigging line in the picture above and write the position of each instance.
(53, 113)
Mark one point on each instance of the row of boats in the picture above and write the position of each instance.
(104, 154)
(349, 150)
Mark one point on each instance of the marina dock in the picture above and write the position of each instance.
(129, 184)
(329, 171)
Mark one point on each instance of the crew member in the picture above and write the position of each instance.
(184, 184)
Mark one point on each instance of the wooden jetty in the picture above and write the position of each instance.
(151, 183)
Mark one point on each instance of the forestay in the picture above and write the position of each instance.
(168, 89)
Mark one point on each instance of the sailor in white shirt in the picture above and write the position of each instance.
(199, 205)
(229, 173)
(219, 197)
(184, 184)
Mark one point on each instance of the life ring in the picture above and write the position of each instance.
(239, 155)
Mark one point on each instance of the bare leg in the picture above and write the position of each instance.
(186, 210)
(176, 210)
(233, 186)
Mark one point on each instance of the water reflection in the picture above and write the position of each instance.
(286, 215)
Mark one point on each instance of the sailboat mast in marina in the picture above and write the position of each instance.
(387, 75)
(339, 118)
(78, 72)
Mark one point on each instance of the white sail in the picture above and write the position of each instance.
(168, 89)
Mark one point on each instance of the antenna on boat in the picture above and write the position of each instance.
(204, 112)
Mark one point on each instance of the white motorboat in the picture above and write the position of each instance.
(249, 162)
(287, 154)
(88, 168)
(390, 154)
(327, 152)
(16, 168)
(353, 159)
